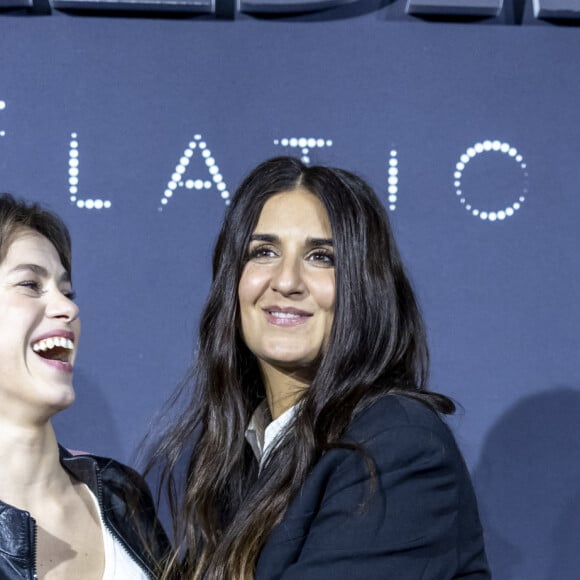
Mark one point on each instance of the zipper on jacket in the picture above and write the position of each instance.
(34, 542)
(120, 540)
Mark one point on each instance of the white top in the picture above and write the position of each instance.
(118, 564)
(262, 433)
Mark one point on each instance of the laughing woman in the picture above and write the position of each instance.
(61, 516)
(313, 448)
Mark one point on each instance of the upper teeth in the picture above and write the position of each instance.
(55, 341)
(285, 315)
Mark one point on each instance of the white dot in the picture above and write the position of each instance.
(164, 201)
(393, 171)
(168, 193)
(207, 184)
(468, 207)
(73, 189)
(179, 170)
(460, 166)
(192, 145)
(80, 203)
(475, 212)
(73, 171)
(293, 142)
(513, 152)
(483, 215)
(107, 204)
(221, 186)
(496, 145)
(189, 184)
(393, 189)
(210, 161)
(509, 211)
(522, 199)
(329, 142)
(89, 204)
(172, 185)
(276, 142)
(217, 178)
(524, 166)
(225, 194)
(305, 159)
(99, 204)
(471, 152)
(74, 154)
(198, 184)
(392, 198)
(202, 144)
(464, 158)
(73, 162)
(492, 216)
(393, 162)
(478, 147)
(73, 180)
(392, 207)
(393, 180)
(2, 105)
(311, 142)
(284, 142)
(2, 133)
(457, 175)
(74, 135)
(462, 200)
(518, 158)
(487, 145)
(320, 143)
(74, 144)
(213, 170)
(206, 153)
(73, 197)
(516, 205)
(505, 147)
(457, 183)
(501, 215)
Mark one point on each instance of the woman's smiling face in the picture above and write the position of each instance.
(287, 288)
(39, 329)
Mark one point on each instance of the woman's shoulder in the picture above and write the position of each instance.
(396, 413)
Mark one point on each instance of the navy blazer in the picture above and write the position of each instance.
(418, 520)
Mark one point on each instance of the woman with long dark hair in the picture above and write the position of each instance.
(312, 446)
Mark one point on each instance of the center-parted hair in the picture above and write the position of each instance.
(223, 513)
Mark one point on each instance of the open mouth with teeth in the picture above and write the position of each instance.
(55, 348)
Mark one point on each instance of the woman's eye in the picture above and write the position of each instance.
(261, 253)
(322, 257)
(69, 294)
(31, 285)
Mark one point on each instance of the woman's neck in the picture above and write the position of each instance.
(31, 471)
(283, 388)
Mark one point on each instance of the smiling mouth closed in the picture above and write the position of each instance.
(57, 348)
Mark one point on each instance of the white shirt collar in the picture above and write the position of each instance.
(262, 433)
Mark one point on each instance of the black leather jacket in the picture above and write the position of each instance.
(119, 490)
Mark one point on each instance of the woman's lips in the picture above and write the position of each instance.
(286, 316)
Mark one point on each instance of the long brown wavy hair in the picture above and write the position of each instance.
(222, 511)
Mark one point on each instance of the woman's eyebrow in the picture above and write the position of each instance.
(39, 271)
(264, 238)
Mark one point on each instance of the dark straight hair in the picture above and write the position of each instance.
(16, 215)
(222, 513)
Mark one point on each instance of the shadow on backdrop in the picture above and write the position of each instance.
(88, 425)
(528, 485)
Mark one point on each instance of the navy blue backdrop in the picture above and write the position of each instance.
(137, 130)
